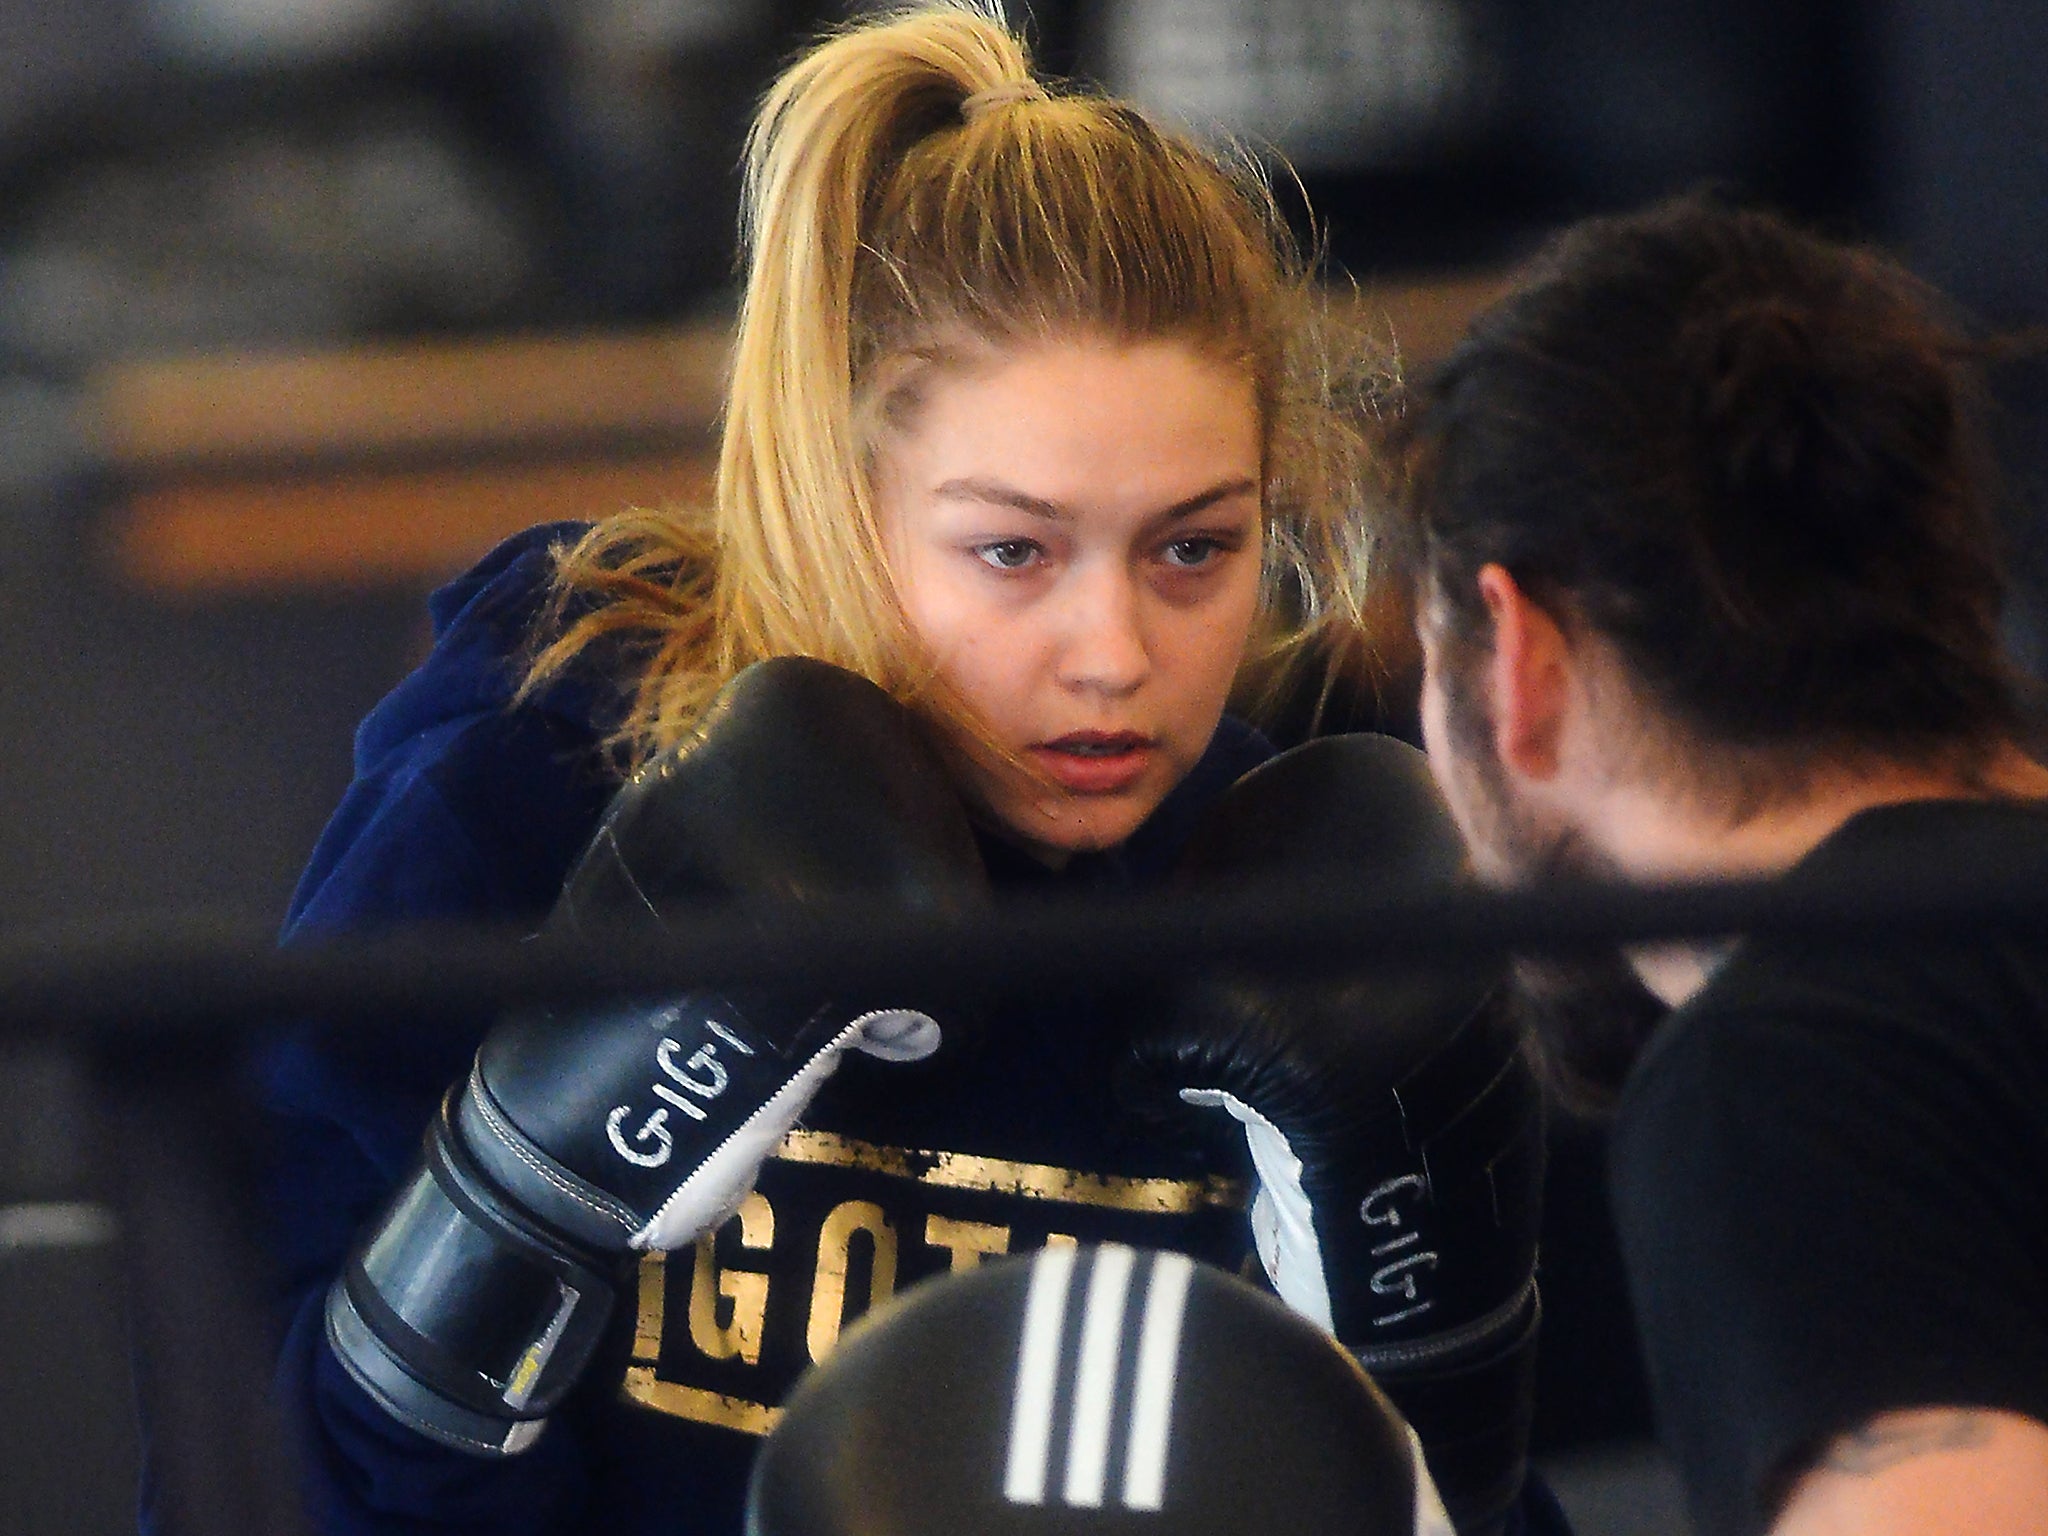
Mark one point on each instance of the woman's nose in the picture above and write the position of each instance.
(1107, 649)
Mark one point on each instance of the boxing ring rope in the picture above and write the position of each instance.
(192, 979)
(159, 1005)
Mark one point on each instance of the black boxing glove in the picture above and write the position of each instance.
(583, 1135)
(1394, 1125)
(1099, 1391)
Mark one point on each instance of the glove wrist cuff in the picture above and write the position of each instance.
(1454, 1348)
(379, 1372)
(493, 1155)
(461, 1319)
(1472, 1404)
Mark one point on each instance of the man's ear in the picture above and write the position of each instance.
(1530, 676)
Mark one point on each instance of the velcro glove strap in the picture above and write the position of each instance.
(462, 1317)
(1473, 1407)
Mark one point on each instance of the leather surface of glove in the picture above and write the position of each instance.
(1393, 1123)
(583, 1134)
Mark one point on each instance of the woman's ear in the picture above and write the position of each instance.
(1530, 673)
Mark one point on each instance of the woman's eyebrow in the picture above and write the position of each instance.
(1201, 501)
(977, 488)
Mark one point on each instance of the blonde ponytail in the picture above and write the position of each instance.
(792, 480)
(911, 186)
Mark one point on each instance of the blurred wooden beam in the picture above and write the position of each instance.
(366, 531)
(1424, 318)
(391, 465)
(397, 464)
(408, 400)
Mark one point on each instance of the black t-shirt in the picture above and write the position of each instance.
(1831, 1178)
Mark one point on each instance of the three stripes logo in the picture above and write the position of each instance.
(1092, 1409)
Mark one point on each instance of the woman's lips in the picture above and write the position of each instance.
(1095, 762)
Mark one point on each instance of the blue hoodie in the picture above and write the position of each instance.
(464, 807)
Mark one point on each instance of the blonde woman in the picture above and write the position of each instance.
(1031, 437)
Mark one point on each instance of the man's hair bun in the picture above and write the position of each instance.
(1796, 420)
(1752, 458)
(1761, 399)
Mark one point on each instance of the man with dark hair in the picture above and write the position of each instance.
(1702, 535)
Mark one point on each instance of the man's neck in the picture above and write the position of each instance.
(1647, 834)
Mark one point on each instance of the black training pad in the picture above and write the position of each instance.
(907, 1428)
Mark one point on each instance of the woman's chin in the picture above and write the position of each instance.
(1065, 825)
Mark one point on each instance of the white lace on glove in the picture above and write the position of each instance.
(715, 1188)
(1282, 1226)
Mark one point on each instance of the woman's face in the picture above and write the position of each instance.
(1074, 528)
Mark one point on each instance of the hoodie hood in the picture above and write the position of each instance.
(484, 622)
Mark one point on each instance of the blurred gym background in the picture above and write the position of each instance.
(303, 303)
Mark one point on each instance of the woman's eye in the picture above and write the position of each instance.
(1008, 554)
(1188, 554)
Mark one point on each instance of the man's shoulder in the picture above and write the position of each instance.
(1793, 1036)
(1826, 1169)
(1920, 837)
(1774, 985)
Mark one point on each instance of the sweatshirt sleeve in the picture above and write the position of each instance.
(348, 1111)
(471, 816)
